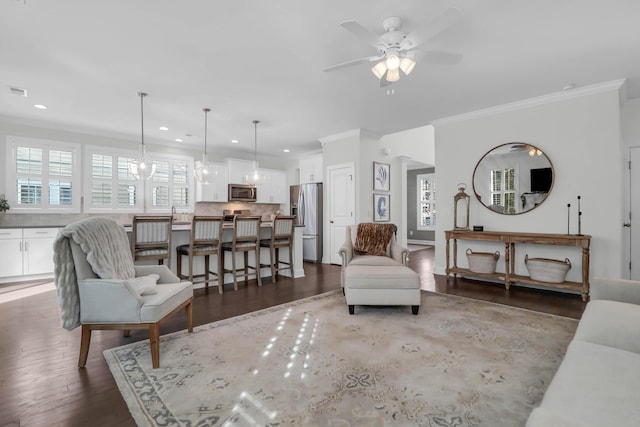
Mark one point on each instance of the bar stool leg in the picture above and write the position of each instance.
(233, 271)
(220, 272)
(190, 266)
(291, 260)
(179, 264)
(273, 254)
(258, 264)
(206, 272)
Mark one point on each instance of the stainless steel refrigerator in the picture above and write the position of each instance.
(306, 205)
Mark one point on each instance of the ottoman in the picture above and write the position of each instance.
(381, 285)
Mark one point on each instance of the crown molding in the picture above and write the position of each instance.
(617, 85)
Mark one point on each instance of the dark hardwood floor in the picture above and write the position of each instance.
(40, 384)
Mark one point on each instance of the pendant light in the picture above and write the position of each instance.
(203, 170)
(142, 168)
(255, 177)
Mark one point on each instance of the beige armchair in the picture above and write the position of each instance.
(99, 288)
(377, 273)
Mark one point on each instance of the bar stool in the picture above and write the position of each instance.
(206, 240)
(281, 237)
(151, 238)
(246, 238)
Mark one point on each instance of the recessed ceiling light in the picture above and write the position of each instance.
(40, 107)
(286, 150)
(187, 135)
(164, 128)
(234, 141)
(178, 140)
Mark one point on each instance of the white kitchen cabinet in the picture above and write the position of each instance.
(37, 254)
(217, 190)
(238, 170)
(11, 250)
(274, 188)
(27, 251)
(310, 169)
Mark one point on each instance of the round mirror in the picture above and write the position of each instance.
(513, 178)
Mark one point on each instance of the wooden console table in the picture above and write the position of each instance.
(509, 240)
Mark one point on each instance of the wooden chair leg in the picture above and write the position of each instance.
(190, 266)
(85, 340)
(154, 342)
(126, 333)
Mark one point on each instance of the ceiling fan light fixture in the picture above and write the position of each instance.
(393, 75)
(407, 65)
(379, 69)
(393, 61)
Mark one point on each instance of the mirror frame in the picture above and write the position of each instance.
(479, 197)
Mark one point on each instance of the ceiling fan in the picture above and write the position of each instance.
(396, 48)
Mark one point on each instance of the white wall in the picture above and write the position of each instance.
(580, 132)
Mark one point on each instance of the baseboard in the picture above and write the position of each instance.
(421, 242)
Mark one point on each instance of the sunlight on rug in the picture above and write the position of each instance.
(460, 362)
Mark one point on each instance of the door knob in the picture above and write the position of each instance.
(627, 224)
(331, 221)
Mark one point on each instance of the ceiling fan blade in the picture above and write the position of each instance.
(440, 57)
(429, 30)
(362, 33)
(352, 62)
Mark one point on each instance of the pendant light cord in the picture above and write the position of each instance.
(255, 149)
(142, 95)
(206, 111)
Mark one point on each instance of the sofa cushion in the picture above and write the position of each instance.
(611, 323)
(596, 385)
(381, 277)
(373, 260)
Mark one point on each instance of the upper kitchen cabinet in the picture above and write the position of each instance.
(238, 170)
(274, 189)
(311, 169)
(216, 191)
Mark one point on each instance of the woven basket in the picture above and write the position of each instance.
(547, 270)
(482, 262)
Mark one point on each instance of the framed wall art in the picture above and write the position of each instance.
(381, 208)
(381, 176)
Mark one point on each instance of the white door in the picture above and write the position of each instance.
(634, 191)
(341, 207)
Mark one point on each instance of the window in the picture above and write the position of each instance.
(110, 186)
(171, 185)
(503, 190)
(426, 201)
(43, 176)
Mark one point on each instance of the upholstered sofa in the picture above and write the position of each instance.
(598, 381)
(381, 279)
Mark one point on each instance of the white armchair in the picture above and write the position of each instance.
(99, 288)
(375, 269)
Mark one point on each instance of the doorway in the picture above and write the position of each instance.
(634, 206)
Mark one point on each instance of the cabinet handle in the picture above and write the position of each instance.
(26, 246)
(21, 246)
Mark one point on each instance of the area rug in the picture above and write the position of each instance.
(460, 362)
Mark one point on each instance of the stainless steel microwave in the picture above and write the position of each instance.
(242, 193)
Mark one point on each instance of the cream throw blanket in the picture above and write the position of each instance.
(108, 253)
